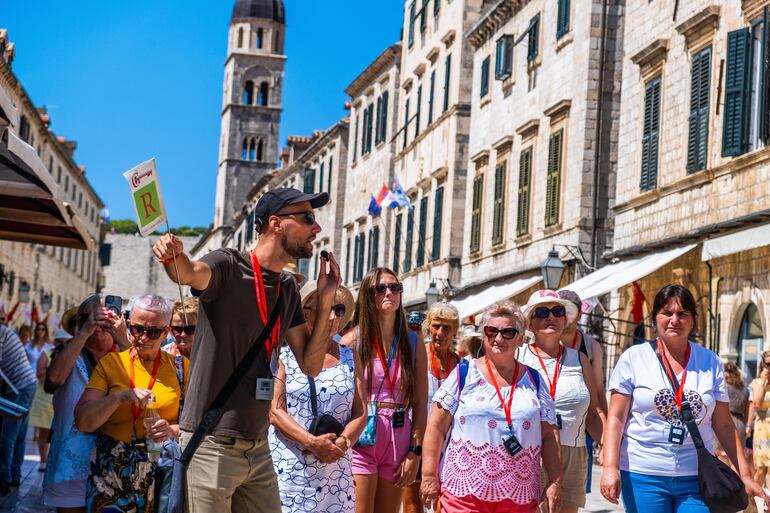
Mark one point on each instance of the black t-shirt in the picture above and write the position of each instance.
(228, 324)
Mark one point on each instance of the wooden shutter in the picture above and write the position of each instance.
(377, 122)
(397, 245)
(562, 20)
(409, 239)
(424, 15)
(525, 176)
(355, 140)
(370, 249)
(431, 95)
(504, 57)
(764, 98)
(420, 260)
(406, 122)
(697, 136)
(321, 177)
(553, 183)
(384, 119)
(438, 213)
(478, 191)
(331, 163)
(498, 205)
(417, 111)
(484, 90)
(412, 10)
(735, 130)
(436, 8)
(533, 40)
(355, 258)
(347, 261)
(375, 251)
(309, 184)
(447, 76)
(362, 246)
(651, 133)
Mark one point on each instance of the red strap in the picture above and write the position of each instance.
(678, 392)
(506, 407)
(259, 289)
(136, 410)
(385, 366)
(551, 384)
(433, 363)
(574, 340)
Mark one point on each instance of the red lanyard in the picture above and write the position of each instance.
(433, 363)
(574, 340)
(386, 366)
(506, 407)
(136, 410)
(551, 384)
(259, 288)
(667, 366)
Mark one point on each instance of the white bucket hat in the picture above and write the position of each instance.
(546, 296)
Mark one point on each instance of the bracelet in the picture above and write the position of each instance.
(348, 444)
(167, 260)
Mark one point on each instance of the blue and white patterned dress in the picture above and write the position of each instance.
(305, 484)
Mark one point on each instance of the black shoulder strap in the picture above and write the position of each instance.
(313, 397)
(214, 411)
(686, 412)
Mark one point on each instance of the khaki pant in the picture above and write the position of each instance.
(231, 475)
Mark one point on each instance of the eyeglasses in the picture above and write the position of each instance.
(308, 216)
(506, 333)
(151, 331)
(187, 330)
(338, 309)
(395, 288)
(541, 312)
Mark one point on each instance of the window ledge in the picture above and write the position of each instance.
(564, 40)
(523, 240)
(486, 100)
(553, 229)
(536, 63)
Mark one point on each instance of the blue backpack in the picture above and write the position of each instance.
(462, 369)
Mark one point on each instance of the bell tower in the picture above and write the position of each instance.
(251, 104)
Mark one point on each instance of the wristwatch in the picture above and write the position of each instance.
(416, 449)
(348, 445)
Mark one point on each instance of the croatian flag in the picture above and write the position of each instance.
(374, 207)
(397, 196)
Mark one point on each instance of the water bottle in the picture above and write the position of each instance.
(151, 416)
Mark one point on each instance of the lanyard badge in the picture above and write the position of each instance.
(510, 442)
(552, 383)
(676, 434)
(264, 389)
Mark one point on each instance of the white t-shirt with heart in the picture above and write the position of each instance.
(645, 447)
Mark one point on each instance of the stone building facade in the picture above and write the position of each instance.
(65, 276)
(374, 98)
(695, 131)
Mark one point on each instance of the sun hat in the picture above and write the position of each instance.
(309, 291)
(545, 296)
(68, 321)
(572, 296)
(292, 269)
(61, 334)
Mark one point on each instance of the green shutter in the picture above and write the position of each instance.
(484, 90)
(697, 136)
(321, 178)
(436, 8)
(438, 213)
(478, 191)
(347, 262)
(431, 95)
(504, 57)
(377, 122)
(735, 130)
(406, 122)
(384, 116)
(498, 205)
(355, 258)
(525, 174)
(562, 19)
(447, 76)
(533, 38)
(397, 245)
(650, 135)
(370, 250)
(355, 140)
(417, 113)
(309, 183)
(409, 239)
(553, 183)
(420, 260)
(375, 254)
(424, 15)
(764, 97)
(412, 10)
(331, 162)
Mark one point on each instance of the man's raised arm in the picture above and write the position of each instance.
(195, 274)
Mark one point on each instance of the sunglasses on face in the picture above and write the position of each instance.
(541, 312)
(395, 288)
(507, 333)
(308, 216)
(151, 331)
(187, 330)
(338, 309)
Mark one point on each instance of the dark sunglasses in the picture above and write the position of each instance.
(767, 364)
(541, 312)
(308, 216)
(506, 333)
(151, 331)
(178, 330)
(395, 288)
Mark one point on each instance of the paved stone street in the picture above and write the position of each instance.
(595, 503)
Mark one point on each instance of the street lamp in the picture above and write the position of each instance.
(552, 270)
(45, 303)
(432, 295)
(23, 292)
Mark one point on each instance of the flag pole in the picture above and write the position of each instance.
(179, 286)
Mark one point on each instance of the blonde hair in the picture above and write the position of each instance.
(190, 307)
(444, 311)
(504, 309)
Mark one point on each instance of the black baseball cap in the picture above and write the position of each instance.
(275, 199)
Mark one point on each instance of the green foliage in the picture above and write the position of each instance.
(128, 226)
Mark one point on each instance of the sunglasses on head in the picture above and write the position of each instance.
(541, 312)
(151, 331)
(308, 216)
(506, 333)
(178, 330)
(395, 288)
(339, 309)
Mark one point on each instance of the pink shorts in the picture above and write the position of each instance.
(452, 504)
(384, 457)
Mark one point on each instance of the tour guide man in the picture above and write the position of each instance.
(232, 469)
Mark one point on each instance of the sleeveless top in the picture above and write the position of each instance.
(572, 396)
(379, 389)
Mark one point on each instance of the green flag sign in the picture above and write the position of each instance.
(145, 191)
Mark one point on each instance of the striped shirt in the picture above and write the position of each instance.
(13, 360)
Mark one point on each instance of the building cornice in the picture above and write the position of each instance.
(387, 58)
(497, 16)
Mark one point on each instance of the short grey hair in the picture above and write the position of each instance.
(504, 309)
(152, 303)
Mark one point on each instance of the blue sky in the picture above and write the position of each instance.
(130, 80)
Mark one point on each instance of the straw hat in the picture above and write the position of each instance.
(309, 291)
(291, 268)
(60, 334)
(68, 320)
(546, 296)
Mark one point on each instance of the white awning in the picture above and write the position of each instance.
(743, 240)
(617, 275)
(476, 303)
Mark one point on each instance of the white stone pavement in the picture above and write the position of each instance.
(595, 503)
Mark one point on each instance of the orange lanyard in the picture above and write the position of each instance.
(386, 367)
(506, 407)
(574, 340)
(551, 384)
(259, 288)
(136, 410)
(667, 367)
(433, 362)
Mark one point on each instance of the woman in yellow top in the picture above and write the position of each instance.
(760, 390)
(115, 406)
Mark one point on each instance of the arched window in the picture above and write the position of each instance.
(248, 93)
(263, 92)
(750, 342)
(245, 149)
(260, 35)
(240, 37)
(252, 149)
(260, 150)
